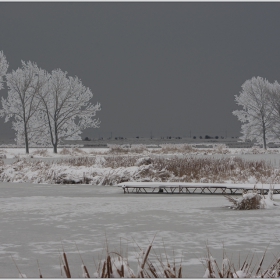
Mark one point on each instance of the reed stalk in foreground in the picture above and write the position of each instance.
(248, 269)
(115, 265)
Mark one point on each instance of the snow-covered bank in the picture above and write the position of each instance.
(137, 163)
(111, 170)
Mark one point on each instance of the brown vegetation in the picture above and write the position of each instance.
(125, 149)
(248, 269)
(249, 201)
(115, 265)
(111, 170)
(72, 151)
(41, 152)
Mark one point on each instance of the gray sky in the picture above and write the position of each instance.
(163, 67)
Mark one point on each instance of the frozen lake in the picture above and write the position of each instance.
(37, 219)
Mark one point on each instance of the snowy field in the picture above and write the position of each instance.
(36, 220)
(271, 155)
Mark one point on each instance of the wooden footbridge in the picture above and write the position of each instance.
(195, 188)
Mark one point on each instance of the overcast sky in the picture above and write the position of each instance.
(165, 68)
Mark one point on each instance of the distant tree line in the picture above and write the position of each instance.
(209, 137)
(45, 108)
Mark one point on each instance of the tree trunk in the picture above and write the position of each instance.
(264, 143)
(56, 138)
(26, 147)
(264, 136)
(26, 140)
(55, 148)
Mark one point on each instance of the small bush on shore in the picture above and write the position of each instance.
(125, 149)
(73, 151)
(79, 161)
(251, 200)
(176, 148)
(41, 152)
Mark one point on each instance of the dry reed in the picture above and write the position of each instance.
(248, 201)
(115, 265)
(111, 170)
(41, 152)
(166, 149)
(79, 161)
(125, 149)
(248, 269)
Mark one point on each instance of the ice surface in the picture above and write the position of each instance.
(36, 220)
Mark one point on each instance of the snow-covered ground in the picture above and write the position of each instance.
(271, 155)
(120, 164)
(48, 152)
(37, 220)
(168, 149)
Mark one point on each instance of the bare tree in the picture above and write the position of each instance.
(257, 112)
(22, 102)
(67, 108)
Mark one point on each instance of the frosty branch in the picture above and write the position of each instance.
(22, 103)
(66, 107)
(259, 114)
(46, 108)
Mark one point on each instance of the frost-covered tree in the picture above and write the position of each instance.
(274, 97)
(3, 67)
(22, 103)
(67, 108)
(256, 114)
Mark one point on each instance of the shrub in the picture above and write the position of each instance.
(125, 149)
(41, 152)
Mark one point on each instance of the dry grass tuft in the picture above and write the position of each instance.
(41, 152)
(248, 269)
(73, 151)
(150, 265)
(65, 151)
(175, 148)
(80, 161)
(3, 154)
(221, 149)
(115, 265)
(77, 150)
(120, 161)
(249, 201)
(125, 149)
